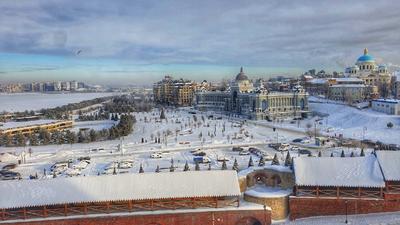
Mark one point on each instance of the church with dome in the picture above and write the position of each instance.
(243, 99)
(376, 77)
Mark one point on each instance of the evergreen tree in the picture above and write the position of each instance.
(251, 162)
(224, 167)
(93, 135)
(262, 161)
(275, 161)
(186, 168)
(288, 160)
(342, 154)
(33, 140)
(162, 114)
(172, 168)
(235, 165)
(362, 153)
(158, 169)
(141, 169)
(21, 139)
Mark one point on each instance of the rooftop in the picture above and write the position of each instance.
(338, 171)
(389, 161)
(144, 186)
(9, 125)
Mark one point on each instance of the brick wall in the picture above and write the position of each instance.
(308, 207)
(237, 217)
(278, 205)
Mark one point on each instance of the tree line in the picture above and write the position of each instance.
(44, 137)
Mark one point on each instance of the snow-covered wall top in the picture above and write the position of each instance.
(338, 171)
(26, 193)
(390, 164)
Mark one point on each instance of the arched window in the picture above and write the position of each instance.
(264, 105)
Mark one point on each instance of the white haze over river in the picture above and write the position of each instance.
(36, 101)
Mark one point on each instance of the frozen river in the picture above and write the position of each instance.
(36, 101)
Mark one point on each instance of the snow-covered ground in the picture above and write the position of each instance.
(184, 136)
(35, 101)
(340, 119)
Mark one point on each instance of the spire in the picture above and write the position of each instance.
(241, 69)
(365, 51)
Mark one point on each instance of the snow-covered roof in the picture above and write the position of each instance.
(395, 101)
(349, 85)
(27, 193)
(10, 125)
(338, 171)
(318, 81)
(389, 161)
(348, 79)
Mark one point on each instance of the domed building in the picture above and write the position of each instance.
(242, 83)
(375, 76)
(242, 99)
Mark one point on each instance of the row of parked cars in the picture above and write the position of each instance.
(6, 172)
(118, 167)
(70, 167)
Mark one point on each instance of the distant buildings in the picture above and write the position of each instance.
(255, 103)
(396, 85)
(388, 106)
(364, 81)
(44, 87)
(373, 75)
(347, 90)
(174, 92)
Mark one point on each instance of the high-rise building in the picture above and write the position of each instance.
(174, 92)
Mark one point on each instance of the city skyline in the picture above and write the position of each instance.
(140, 42)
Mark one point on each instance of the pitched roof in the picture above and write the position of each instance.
(338, 172)
(389, 162)
(27, 193)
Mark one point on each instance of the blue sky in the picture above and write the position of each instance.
(136, 41)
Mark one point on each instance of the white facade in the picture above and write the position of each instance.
(388, 106)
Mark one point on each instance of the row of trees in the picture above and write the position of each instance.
(44, 137)
(128, 104)
(63, 112)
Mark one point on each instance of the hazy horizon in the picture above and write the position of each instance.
(138, 42)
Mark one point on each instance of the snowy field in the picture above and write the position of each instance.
(338, 119)
(179, 135)
(35, 101)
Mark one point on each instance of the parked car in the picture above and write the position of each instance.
(222, 158)
(295, 148)
(253, 149)
(9, 175)
(125, 164)
(156, 156)
(237, 149)
(201, 159)
(304, 151)
(244, 152)
(284, 147)
(10, 166)
(200, 153)
(297, 140)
